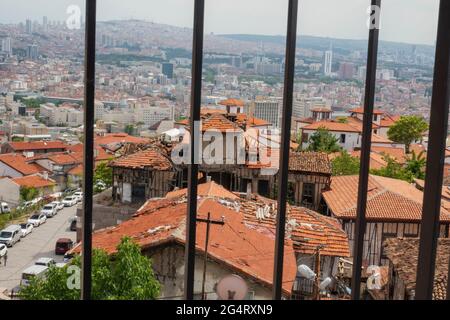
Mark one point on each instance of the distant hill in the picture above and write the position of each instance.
(323, 43)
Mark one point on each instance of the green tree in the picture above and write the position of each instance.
(407, 129)
(129, 129)
(103, 173)
(323, 141)
(416, 164)
(127, 275)
(28, 193)
(393, 170)
(345, 164)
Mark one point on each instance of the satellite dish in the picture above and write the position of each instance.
(232, 287)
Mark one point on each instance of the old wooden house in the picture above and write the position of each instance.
(142, 175)
(394, 209)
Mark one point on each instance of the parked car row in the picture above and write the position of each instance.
(13, 233)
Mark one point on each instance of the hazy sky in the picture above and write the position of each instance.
(412, 21)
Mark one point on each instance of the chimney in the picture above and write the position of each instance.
(45, 175)
(208, 178)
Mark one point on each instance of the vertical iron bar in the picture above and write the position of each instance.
(196, 91)
(89, 96)
(366, 141)
(429, 230)
(208, 223)
(289, 74)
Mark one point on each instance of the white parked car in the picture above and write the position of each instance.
(3, 249)
(11, 235)
(4, 208)
(78, 195)
(59, 205)
(27, 228)
(70, 201)
(49, 210)
(37, 219)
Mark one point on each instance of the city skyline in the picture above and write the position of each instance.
(221, 17)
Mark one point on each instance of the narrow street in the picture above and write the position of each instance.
(40, 243)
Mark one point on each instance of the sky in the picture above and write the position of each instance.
(410, 21)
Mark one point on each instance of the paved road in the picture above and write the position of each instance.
(40, 243)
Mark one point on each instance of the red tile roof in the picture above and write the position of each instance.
(242, 118)
(331, 126)
(307, 229)
(218, 122)
(404, 253)
(315, 162)
(208, 189)
(149, 158)
(397, 154)
(387, 199)
(78, 170)
(63, 158)
(376, 160)
(18, 163)
(35, 181)
(112, 138)
(233, 245)
(36, 145)
(245, 243)
(232, 102)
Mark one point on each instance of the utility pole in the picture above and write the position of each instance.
(317, 271)
(208, 222)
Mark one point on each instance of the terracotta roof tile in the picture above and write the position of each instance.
(208, 189)
(149, 158)
(233, 244)
(218, 122)
(19, 163)
(232, 102)
(35, 181)
(316, 162)
(332, 126)
(397, 154)
(387, 199)
(36, 145)
(403, 253)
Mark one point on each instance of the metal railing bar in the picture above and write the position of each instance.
(289, 74)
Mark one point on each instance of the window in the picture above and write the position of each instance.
(308, 194)
(342, 139)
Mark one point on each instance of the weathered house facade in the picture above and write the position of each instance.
(394, 209)
(143, 175)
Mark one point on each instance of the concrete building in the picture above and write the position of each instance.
(268, 109)
(327, 62)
